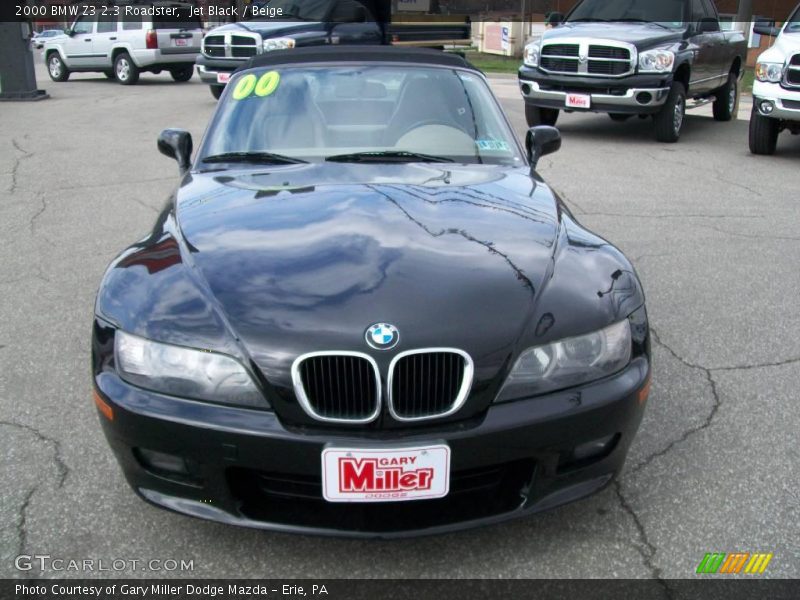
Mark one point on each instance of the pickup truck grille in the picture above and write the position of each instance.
(792, 78)
(228, 45)
(580, 57)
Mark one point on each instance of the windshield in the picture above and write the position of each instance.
(306, 10)
(665, 12)
(793, 24)
(380, 114)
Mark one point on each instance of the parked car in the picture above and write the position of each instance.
(364, 314)
(38, 39)
(776, 89)
(123, 48)
(642, 57)
(323, 22)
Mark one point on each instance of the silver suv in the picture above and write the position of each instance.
(124, 39)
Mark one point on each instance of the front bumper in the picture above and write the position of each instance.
(786, 102)
(209, 68)
(247, 468)
(637, 94)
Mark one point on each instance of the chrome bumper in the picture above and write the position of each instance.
(631, 99)
(780, 111)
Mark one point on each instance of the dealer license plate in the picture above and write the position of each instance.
(378, 475)
(579, 101)
(223, 77)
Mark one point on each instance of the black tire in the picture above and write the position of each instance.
(125, 69)
(182, 74)
(56, 68)
(669, 120)
(216, 91)
(540, 116)
(727, 103)
(763, 133)
(619, 117)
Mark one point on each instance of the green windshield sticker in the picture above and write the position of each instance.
(262, 86)
(268, 84)
(244, 87)
(490, 145)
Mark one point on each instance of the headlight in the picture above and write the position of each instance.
(769, 72)
(185, 372)
(278, 44)
(531, 55)
(656, 61)
(569, 362)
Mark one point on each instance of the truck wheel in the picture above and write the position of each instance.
(763, 133)
(540, 116)
(126, 71)
(619, 117)
(182, 74)
(56, 67)
(216, 91)
(727, 103)
(669, 120)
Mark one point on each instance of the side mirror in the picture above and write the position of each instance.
(708, 25)
(177, 144)
(554, 19)
(765, 29)
(68, 31)
(541, 141)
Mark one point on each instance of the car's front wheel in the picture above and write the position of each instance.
(216, 91)
(763, 133)
(182, 74)
(126, 71)
(669, 120)
(727, 100)
(535, 115)
(56, 68)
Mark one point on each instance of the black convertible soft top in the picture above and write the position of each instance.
(361, 54)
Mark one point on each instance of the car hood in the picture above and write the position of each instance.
(641, 35)
(305, 258)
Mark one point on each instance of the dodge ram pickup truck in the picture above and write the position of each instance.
(776, 90)
(297, 23)
(634, 57)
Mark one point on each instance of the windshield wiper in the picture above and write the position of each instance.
(267, 158)
(388, 156)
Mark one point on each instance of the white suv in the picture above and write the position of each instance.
(119, 41)
(776, 90)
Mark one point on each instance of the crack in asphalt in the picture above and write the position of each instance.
(17, 162)
(753, 236)
(63, 473)
(32, 222)
(646, 548)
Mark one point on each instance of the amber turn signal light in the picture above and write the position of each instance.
(104, 406)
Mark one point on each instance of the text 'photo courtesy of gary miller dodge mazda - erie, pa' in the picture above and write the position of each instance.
(321, 335)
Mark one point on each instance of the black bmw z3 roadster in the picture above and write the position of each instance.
(363, 313)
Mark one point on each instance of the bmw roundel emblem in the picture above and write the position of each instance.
(382, 336)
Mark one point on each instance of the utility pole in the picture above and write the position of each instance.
(744, 17)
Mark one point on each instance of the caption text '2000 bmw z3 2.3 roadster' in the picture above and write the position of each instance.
(363, 313)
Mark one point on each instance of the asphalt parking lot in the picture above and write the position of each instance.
(712, 231)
